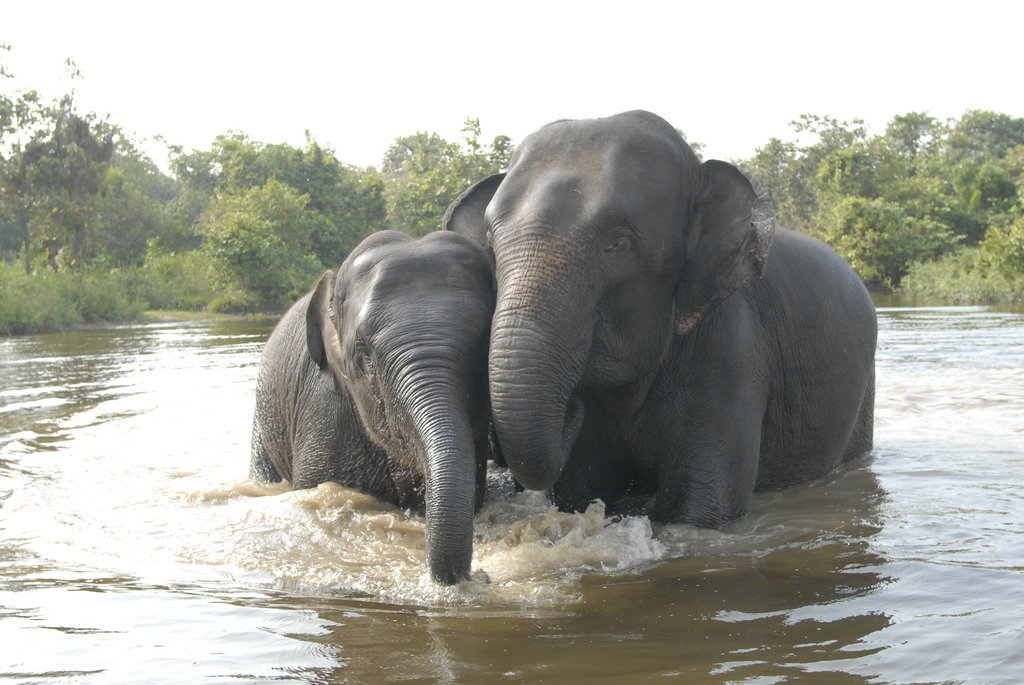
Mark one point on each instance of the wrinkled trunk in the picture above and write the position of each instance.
(540, 340)
(441, 418)
(450, 505)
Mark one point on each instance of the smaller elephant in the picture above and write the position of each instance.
(377, 380)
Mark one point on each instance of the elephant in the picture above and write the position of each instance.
(655, 334)
(377, 380)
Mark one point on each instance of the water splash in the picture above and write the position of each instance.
(333, 539)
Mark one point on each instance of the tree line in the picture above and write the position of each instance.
(91, 229)
(928, 207)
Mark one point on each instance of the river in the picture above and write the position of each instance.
(133, 550)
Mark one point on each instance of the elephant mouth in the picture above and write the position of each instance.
(547, 455)
(573, 425)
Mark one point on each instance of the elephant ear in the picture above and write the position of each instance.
(730, 236)
(321, 332)
(466, 214)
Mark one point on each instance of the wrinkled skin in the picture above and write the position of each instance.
(654, 334)
(377, 380)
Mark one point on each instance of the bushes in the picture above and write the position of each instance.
(879, 239)
(261, 240)
(47, 301)
(963, 276)
(184, 280)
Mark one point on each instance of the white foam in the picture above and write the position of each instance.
(335, 539)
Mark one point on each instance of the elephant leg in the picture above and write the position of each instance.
(593, 471)
(706, 477)
(261, 468)
(710, 480)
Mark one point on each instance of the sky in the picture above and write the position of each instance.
(358, 75)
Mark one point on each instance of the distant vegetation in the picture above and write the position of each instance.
(928, 208)
(91, 230)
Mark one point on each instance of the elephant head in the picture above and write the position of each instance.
(608, 239)
(403, 327)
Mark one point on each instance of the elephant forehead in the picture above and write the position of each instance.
(419, 265)
(611, 182)
(403, 293)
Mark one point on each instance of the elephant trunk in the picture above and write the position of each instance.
(442, 421)
(539, 349)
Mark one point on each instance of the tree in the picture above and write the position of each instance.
(790, 170)
(980, 136)
(914, 134)
(423, 174)
(349, 201)
(262, 237)
(879, 240)
(1003, 244)
(972, 160)
(66, 167)
(18, 117)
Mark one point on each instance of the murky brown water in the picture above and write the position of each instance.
(132, 549)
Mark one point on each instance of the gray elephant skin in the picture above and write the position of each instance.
(376, 380)
(655, 335)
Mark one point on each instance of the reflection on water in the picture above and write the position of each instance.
(133, 550)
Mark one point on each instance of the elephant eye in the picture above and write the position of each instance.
(619, 244)
(363, 360)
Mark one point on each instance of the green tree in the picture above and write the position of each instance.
(349, 201)
(20, 113)
(879, 240)
(262, 237)
(423, 174)
(880, 203)
(66, 167)
(980, 136)
(914, 135)
(979, 181)
(1003, 244)
(197, 174)
(791, 170)
(889, 200)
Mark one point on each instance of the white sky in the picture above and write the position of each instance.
(359, 73)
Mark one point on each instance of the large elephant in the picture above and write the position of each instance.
(645, 341)
(377, 380)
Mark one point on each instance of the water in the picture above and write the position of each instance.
(132, 550)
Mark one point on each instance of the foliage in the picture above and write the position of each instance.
(92, 230)
(879, 239)
(75, 188)
(962, 276)
(67, 168)
(46, 300)
(915, 193)
(184, 281)
(263, 238)
(349, 203)
(1004, 247)
(789, 170)
(424, 173)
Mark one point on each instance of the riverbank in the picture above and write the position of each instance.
(48, 302)
(152, 316)
(178, 315)
(54, 324)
